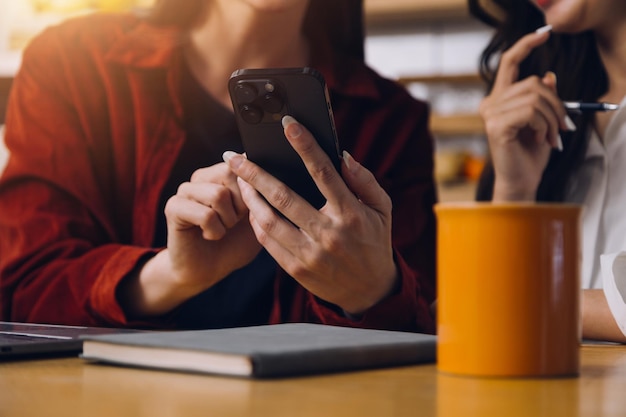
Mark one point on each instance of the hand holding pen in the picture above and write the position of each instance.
(523, 118)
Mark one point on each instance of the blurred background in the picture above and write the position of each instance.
(430, 46)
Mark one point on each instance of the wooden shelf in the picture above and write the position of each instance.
(456, 125)
(457, 79)
(385, 11)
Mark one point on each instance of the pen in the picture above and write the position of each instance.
(583, 107)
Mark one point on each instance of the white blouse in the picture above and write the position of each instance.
(600, 185)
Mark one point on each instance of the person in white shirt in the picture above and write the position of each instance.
(541, 152)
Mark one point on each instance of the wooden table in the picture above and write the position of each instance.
(71, 387)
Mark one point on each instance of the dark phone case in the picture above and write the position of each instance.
(305, 97)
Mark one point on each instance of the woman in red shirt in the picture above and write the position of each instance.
(116, 208)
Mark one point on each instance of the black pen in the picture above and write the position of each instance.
(584, 107)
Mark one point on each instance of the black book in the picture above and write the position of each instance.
(263, 351)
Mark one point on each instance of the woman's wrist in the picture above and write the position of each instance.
(152, 291)
(511, 193)
(358, 306)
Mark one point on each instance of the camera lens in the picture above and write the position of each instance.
(251, 114)
(245, 92)
(272, 103)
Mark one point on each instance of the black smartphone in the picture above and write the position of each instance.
(261, 97)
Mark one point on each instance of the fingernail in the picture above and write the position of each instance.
(346, 159)
(543, 29)
(552, 75)
(571, 126)
(242, 186)
(288, 122)
(559, 143)
(233, 159)
(349, 161)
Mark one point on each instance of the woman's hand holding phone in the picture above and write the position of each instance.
(208, 237)
(342, 252)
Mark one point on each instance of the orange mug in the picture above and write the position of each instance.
(508, 289)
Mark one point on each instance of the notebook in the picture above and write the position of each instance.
(278, 350)
(30, 340)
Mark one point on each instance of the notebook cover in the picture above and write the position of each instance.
(283, 349)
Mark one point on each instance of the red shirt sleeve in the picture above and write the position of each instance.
(67, 232)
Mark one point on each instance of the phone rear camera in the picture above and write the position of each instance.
(272, 103)
(245, 92)
(251, 114)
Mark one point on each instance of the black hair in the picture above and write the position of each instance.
(575, 59)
